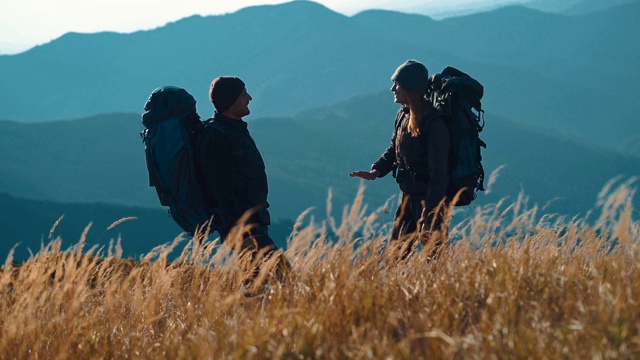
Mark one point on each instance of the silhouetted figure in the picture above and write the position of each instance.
(234, 174)
(419, 158)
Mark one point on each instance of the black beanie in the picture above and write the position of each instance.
(412, 75)
(225, 91)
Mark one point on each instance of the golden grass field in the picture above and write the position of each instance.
(517, 284)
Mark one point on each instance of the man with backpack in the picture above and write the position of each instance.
(210, 174)
(419, 157)
(233, 172)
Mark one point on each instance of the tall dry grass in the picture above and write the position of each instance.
(515, 284)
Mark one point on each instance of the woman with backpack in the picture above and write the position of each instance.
(418, 156)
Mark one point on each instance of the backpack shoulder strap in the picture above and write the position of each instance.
(434, 115)
(399, 116)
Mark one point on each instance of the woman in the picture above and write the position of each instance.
(419, 158)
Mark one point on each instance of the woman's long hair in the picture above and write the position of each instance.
(417, 111)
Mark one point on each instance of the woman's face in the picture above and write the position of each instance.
(400, 94)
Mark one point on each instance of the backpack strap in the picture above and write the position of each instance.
(431, 117)
(434, 115)
(399, 116)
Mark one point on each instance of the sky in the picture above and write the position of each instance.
(27, 23)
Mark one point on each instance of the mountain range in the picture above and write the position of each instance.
(574, 7)
(559, 101)
(577, 75)
(27, 225)
(101, 159)
(446, 10)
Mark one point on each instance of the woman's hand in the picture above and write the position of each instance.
(367, 175)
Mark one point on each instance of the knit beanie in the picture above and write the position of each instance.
(412, 75)
(225, 91)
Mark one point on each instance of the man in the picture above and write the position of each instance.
(419, 158)
(233, 172)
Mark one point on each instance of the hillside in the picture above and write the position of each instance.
(558, 73)
(590, 6)
(542, 70)
(537, 288)
(100, 159)
(546, 166)
(28, 224)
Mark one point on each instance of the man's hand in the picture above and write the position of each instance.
(367, 175)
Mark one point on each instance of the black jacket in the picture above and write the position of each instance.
(233, 172)
(422, 162)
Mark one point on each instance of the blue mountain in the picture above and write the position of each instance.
(576, 75)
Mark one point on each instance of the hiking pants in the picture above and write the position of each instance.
(256, 240)
(407, 216)
(407, 221)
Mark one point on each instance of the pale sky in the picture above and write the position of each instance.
(26, 23)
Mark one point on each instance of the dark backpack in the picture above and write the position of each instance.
(171, 125)
(458, 96)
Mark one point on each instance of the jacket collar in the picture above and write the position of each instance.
(241, 124)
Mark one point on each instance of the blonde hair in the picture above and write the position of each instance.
(417, 111)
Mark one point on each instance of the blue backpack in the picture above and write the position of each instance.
(171, 126)
(458, 95)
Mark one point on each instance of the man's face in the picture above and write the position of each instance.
(400, 94)
(240, 108)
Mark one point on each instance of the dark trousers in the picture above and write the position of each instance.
(408, 216)
(407, 226)
(256, 240)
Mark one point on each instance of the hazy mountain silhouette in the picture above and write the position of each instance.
(575, 75)
(578, 75)
(544, 165)
(552, 6)
(590, 6)
(559, 97)
(100, 159)
(27, 224)
(578, 7)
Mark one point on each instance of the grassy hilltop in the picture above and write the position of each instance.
(514, 284)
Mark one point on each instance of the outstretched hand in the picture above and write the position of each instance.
(367, 175)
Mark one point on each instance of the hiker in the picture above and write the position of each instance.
(419, 158)
(233, 171)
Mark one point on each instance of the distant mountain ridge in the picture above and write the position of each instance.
(442, 11)
(28, 224)
(560, 115)
(579, 7)
(560, 73)
(305, 156)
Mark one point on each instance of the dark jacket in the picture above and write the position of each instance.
(233, 172)
(422, 162)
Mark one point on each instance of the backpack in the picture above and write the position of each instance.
(458, 95)
(171, 125)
